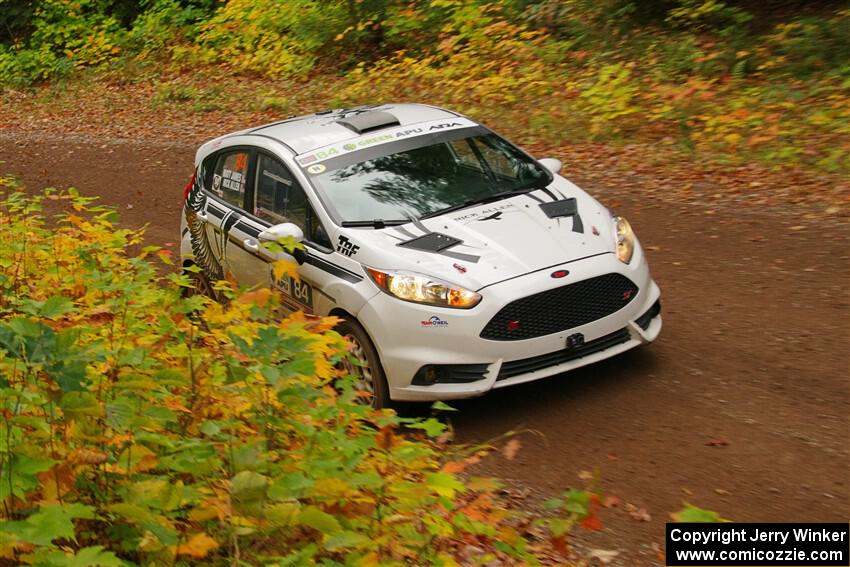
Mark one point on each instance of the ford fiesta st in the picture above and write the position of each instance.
(457, 262)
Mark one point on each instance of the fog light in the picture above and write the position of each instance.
(432, 374)
(426, 376)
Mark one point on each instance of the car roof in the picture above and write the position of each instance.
(305, 133)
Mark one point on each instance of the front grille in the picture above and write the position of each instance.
(651, 313)
(526, 365)
(561, 308)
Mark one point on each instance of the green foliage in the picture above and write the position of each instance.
(63, 35)
(559, 69)
(609, 97)
(691, 513)
(138, 427)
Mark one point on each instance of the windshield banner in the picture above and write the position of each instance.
(384, 136)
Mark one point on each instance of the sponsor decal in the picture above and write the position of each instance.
(434, 321)
(347, 247)
(298, 294)
(409, 132)
(495, 216)
(390, 136)
(316, 168)
(375, 140)
(627, 295)
(557, 274)
(595, 231)
(459, 267)
(490, 213)
(216, 182)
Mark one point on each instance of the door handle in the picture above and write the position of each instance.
(251, 244)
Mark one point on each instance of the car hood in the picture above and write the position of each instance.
(499, 240)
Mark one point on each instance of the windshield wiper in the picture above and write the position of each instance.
(377, 223)
(479, 201)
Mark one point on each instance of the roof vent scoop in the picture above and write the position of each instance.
(363, 122)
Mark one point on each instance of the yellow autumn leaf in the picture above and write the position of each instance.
(732, 139)
(285, 267)
(198, 546)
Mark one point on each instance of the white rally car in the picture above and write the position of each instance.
(457, 262)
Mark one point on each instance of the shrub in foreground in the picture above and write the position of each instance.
(138, 427)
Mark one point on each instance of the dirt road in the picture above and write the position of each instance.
(741, 406)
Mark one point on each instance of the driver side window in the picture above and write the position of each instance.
(279, 198)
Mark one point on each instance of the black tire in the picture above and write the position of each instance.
(371, 375)
(202, 285)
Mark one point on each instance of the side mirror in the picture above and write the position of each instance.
(282, 230)
(552, 164)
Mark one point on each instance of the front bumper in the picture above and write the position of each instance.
(408, 336)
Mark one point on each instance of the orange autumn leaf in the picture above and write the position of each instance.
(198, 546)
(454, 467)
(258, 297)
(591, 522)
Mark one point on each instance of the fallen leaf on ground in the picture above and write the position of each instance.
(612, 501)
(639, 514)
(605, 556)
(511, 448)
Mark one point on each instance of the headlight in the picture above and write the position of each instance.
(625, 239)
(423, 289)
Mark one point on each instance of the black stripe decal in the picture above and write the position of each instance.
(460, 256)
(535, 197)
(406, 232)
(418, 224)
(248, 229)
(552, 195)
(231, 219)
(333, 269)
(315, 261)
(215, 211)
(456, 255)
(185, 230)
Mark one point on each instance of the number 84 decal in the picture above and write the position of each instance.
(299, 291)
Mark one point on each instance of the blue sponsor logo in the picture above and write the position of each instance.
(435, 321)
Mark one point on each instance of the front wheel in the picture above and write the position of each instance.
(371, 382)
(201, 285)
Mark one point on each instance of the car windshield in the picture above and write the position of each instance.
(424, 175)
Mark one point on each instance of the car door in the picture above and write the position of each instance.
(226, 177)
(276, 197)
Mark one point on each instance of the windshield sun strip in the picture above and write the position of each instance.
(366, 154)
(407, 144)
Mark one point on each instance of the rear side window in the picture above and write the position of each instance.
(230, 177)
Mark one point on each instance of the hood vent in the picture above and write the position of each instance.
(369, 120)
